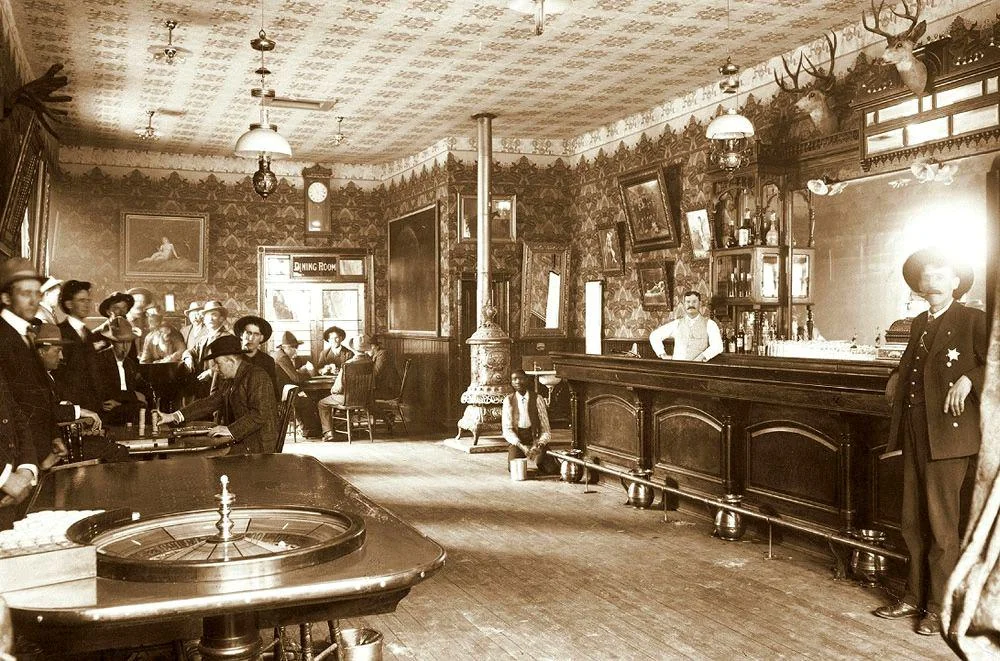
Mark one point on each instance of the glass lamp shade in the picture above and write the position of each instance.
(262, 139)
(729, 126)
(264, 181)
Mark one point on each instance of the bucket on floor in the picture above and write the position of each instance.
(518, 469)
(362, 644)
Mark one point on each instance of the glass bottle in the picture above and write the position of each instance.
(743, 234)
(771, 238)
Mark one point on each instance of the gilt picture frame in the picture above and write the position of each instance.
(652, 220)
(164, 247)
(656, 284)
(503, 218)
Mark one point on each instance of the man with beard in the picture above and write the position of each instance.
(696, 337)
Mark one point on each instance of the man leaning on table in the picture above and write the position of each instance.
(244, 400)
(696, 337)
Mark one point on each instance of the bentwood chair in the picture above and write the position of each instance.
(286, 408)
(386, 409)
(358, 381)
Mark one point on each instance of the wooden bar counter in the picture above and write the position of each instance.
(804, 437)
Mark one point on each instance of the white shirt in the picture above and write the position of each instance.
(121, 375)
(509, 426)
(523, 419)
(669, 329)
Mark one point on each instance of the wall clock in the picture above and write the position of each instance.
(316, 183)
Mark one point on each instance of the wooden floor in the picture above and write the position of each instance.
(542, 570)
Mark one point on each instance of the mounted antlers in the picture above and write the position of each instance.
(814, 102)
(899, 47)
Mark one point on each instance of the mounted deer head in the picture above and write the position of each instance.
(899, 47)
(816, 101)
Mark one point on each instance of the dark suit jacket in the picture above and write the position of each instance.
(109, 385)
(338, 357)
(285, 370)
(77, 376)
(15, 448)
(386, 377)
(962, 329)
(247, 406)
(32, 388)
(266, 363)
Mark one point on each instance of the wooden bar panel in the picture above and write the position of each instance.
(688, 448)
(610, 428)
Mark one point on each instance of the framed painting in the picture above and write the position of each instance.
(700, 231)
(414, 301)
(656, 285)
(503, 218)
(168, 247)
(611, 239)
(652, 222)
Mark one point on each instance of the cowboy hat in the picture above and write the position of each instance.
(331, 330)
(105, 307)
(915, 263)
(17, 268)
(70, 289)
(193, 306)
(289, 340)
(118, 330)
(259, 322)
(215, 305)
(226, 345)
(49, 335)
(359, 344)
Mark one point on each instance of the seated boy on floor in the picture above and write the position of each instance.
(525, 425)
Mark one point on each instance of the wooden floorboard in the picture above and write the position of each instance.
(542, 570)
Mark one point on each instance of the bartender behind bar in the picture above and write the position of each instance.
(696, 337)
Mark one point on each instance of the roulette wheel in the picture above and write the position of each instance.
(218, 544)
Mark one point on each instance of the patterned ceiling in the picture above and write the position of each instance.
(405, 73)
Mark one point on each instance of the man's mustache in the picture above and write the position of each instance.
(932, 291)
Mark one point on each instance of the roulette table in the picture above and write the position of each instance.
(181, 555)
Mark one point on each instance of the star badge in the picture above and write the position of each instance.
(953, 354)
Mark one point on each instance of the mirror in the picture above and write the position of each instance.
(544, 290)
(865, 233)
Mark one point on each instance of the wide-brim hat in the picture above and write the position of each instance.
(194, 306)
(288, 339)
(17, 268)
(51, 283)
(118, 330)
(49, 335)
(915, 263)
(215, 305)
(359, 344)
(117, 297)
(259, 322)
(331, 330)
(226, 345)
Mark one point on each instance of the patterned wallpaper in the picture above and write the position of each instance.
(85, 233)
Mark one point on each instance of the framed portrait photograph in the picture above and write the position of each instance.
(652, 223)
(700, 231)
(503, 218)
(656, 285)
(611, 240)
(168, 247)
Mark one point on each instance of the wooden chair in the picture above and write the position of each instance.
(286, 409)
(391, 406)
(358, 381)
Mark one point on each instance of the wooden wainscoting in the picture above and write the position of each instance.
(431, 398)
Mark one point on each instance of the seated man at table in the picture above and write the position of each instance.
(360, 348)
(244, 400)
(163, 343)
(287, 372)
(525, 425)
(334, 354)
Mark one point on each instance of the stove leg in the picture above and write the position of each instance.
(231, 637)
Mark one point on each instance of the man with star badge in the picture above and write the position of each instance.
(934, 394)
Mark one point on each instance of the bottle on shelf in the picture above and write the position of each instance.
(740, 341)
(743, 233)
(731, 340)
(731, 241)
(771, 238)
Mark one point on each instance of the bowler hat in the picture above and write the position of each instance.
(287, 339)
(17, 268)
(118, 297)
(215, 305)
(915, 263)
(51, 283)
(118, 330)
(70, 289)
(226, 345)
(259, 322)
(49, 335)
